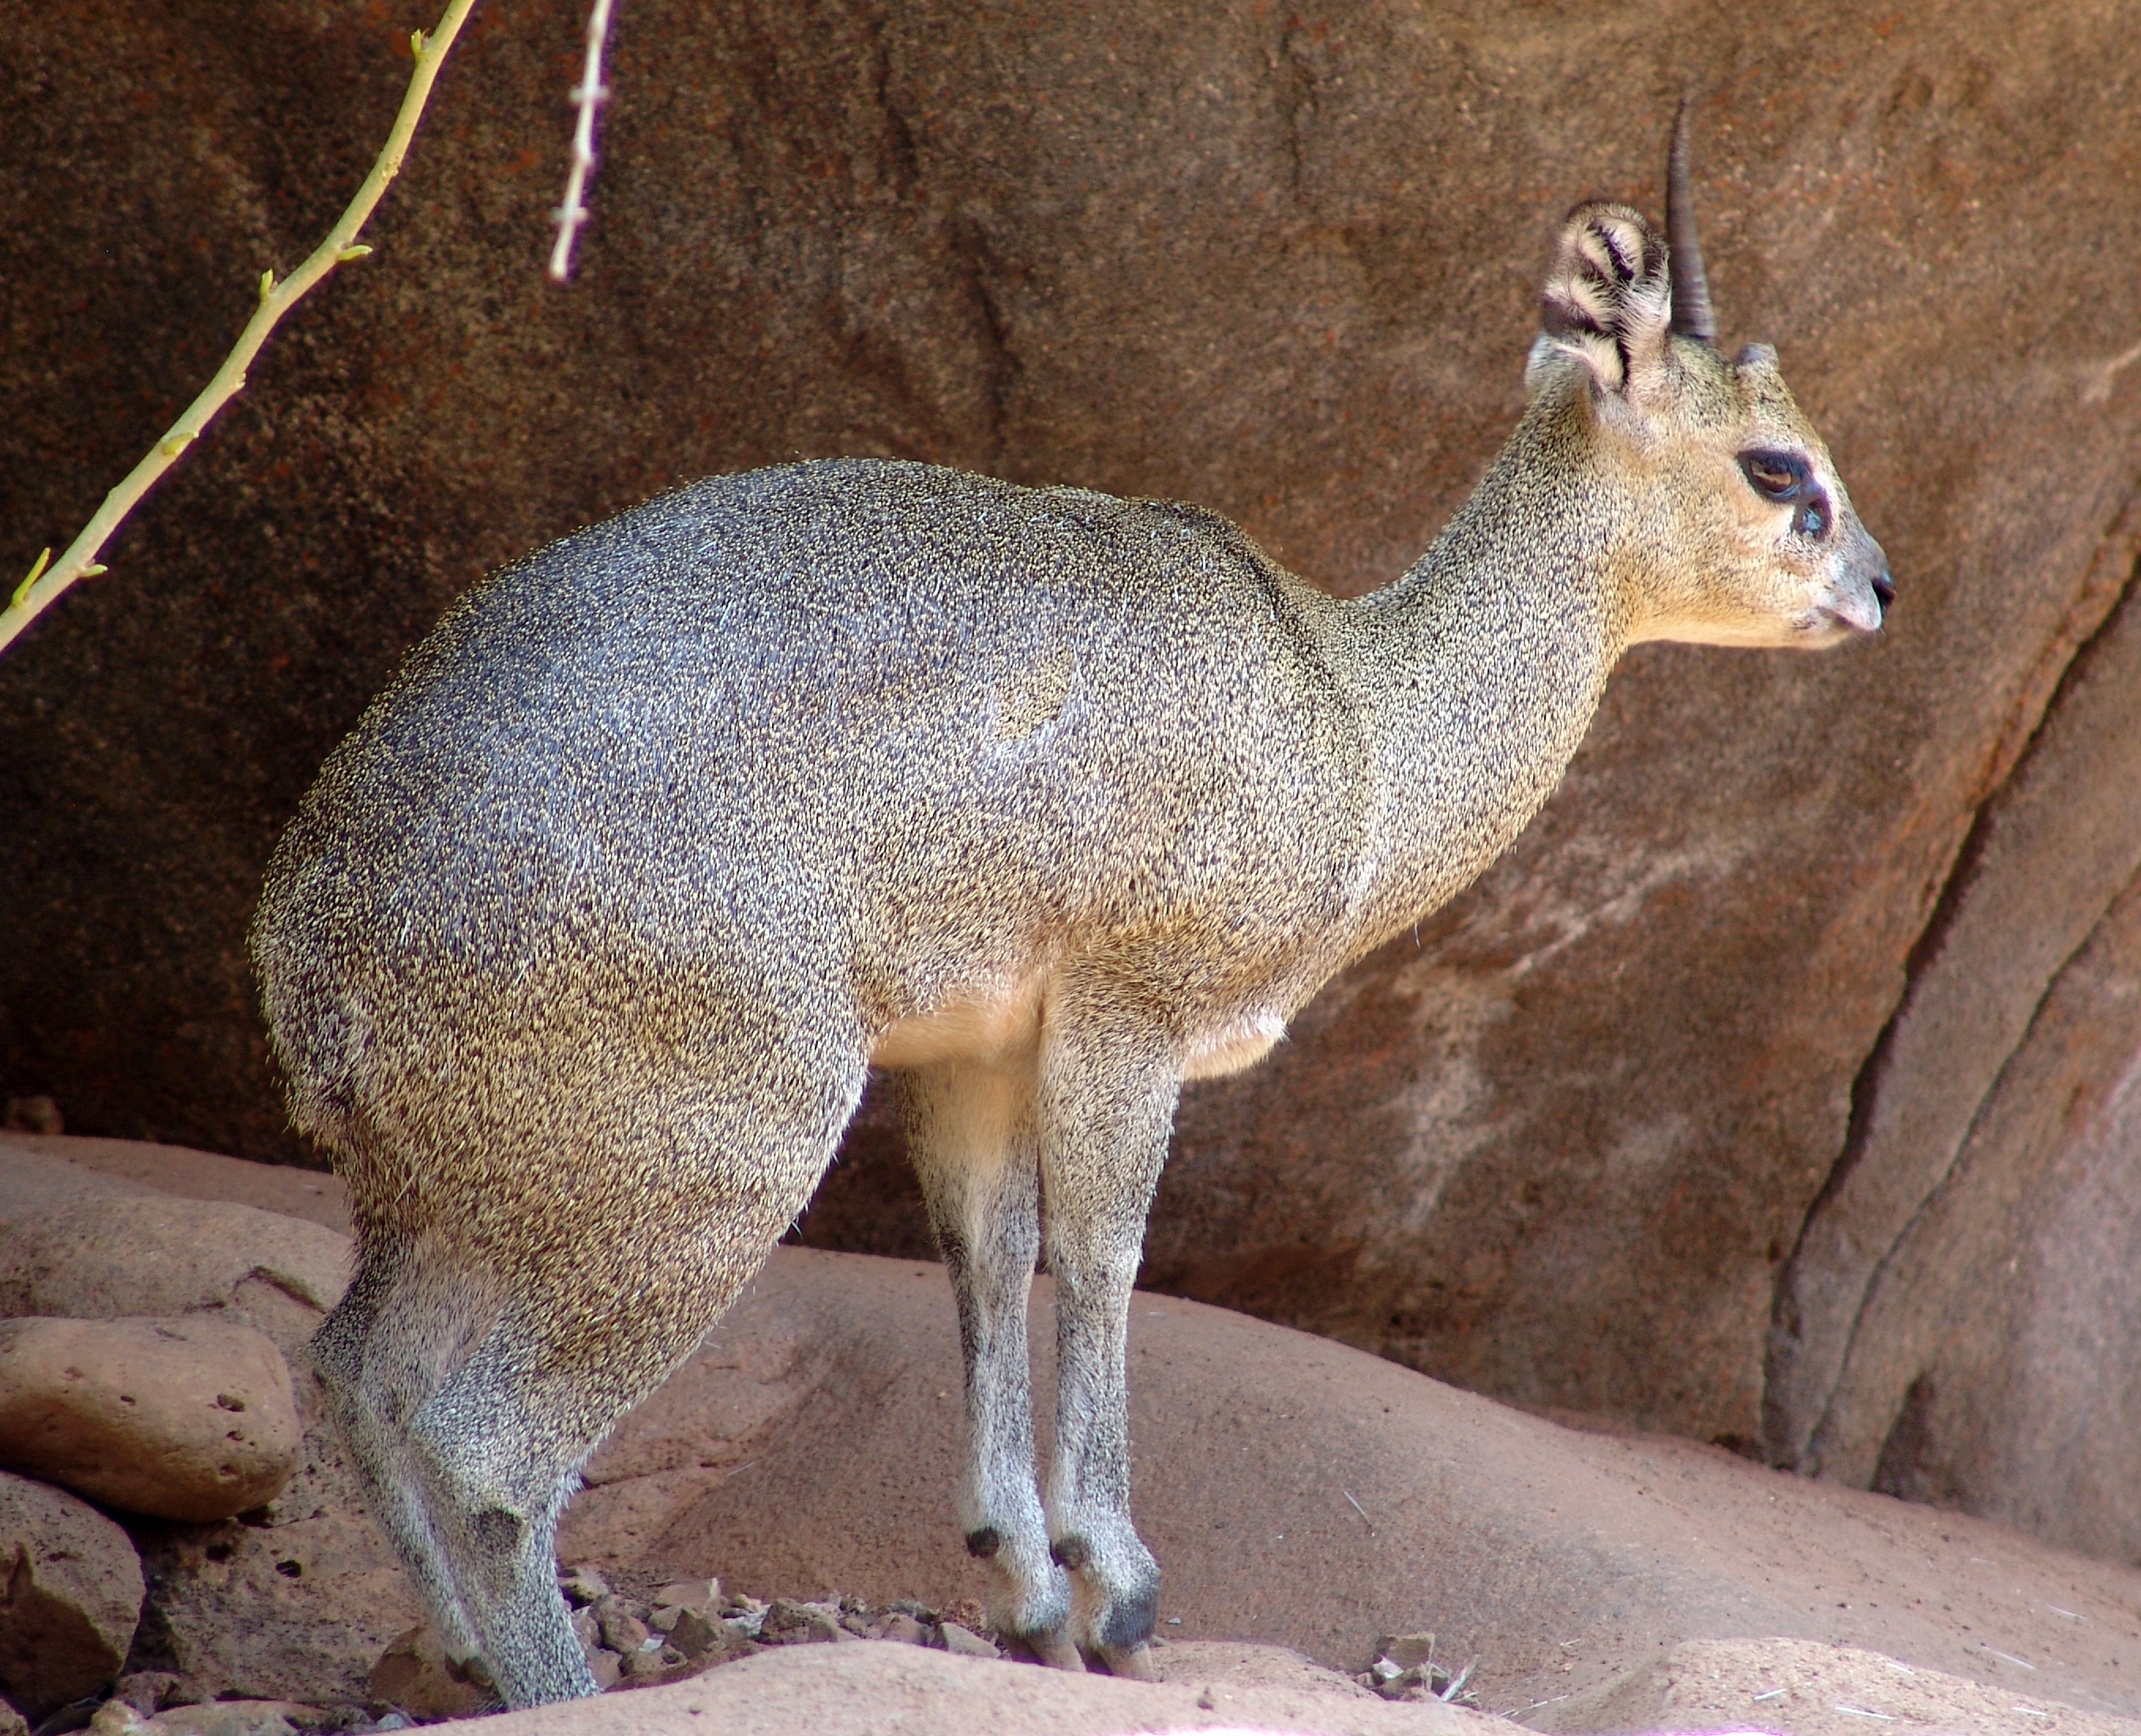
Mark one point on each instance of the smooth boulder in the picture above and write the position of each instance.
(180, 1417)
(104, 1256)
(874, 1690)
(1296, 1491)
(1300, 1493)
(1812, 1689)
(298, 1603)
(72, 1596)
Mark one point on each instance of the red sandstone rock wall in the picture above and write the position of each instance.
(1798, 1007)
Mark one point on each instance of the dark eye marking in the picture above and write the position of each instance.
(1786, 478)
(1780, 475)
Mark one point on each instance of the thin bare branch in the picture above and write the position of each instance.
(48, 579)
(588, 95)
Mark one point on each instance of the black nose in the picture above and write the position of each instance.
(1884, 588)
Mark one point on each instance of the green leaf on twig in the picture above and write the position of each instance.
(22, 590)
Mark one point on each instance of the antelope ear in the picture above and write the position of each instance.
(1608, 303)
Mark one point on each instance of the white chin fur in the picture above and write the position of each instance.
(1754, 635)
(1855, 614)
(1823, 621)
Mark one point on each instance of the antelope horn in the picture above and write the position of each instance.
(1692, 316)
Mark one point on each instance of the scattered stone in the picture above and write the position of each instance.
(622, 1631)
(607, 1666)
(120, 1717)
(147, 1689)
(1406, 1650)
(625, 1639)
(963, 1642)
(788, 1622)
(964, 1611)
(182, 1417)
(652, 1664)
(582, 1585)
(73, 1597)
(238, 1718)
(700, 1597)
(1403, 1668)
(731, 1640)
(415, 1676)
(295, 1602)
(38, 1115)
(694, 1635)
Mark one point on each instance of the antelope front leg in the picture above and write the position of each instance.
(1104, 1118)
(970, 1137)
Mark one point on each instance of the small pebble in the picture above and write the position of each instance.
(38, 1115)
(965, 1642)
(788, 1622)
(582, 1585)
(646, 1665)
(622, 1631)
(1406, 1650)
(145, 1689)
(694, 1635)
(117, 1718)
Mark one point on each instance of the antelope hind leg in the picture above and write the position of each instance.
(381, 1353)
(580, 1328)
(503, 1445)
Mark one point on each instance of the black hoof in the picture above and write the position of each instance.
(1129, 1625)
(1133, 1664)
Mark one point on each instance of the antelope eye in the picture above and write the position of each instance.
(1780, 475)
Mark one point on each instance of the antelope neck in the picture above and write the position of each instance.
(1475, 676)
